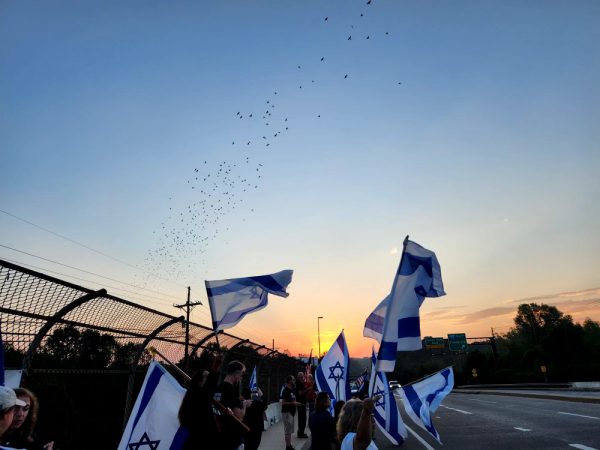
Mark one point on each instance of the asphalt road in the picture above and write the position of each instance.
(479, 421)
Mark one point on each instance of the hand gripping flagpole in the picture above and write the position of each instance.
(222, 408)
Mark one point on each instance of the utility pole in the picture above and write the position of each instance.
(188, 306)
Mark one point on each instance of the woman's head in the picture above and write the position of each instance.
(25, 416)
(322, 402)
(348, 419)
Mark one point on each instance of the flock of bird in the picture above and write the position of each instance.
(220, 188)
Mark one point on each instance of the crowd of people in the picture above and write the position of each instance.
(224, 416)
(18, 418)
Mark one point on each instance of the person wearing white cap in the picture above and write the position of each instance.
(8, 401)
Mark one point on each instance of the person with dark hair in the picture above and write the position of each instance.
(21, 433)
(322, 425)
(228, 395)
(196, 411)
(288, 410)
(254, 418)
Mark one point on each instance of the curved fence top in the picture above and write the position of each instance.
(29, 300)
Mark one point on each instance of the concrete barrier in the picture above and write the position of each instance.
(272, 414)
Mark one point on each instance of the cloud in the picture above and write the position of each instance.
(394, 251)
(486, 313)
(546, 298)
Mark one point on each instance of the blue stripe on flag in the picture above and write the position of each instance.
(416, 405)
(409, 327)
(265, 281)
(341, 343)
(179, 439)
(387, 351)
(410, 264)
(153, 381)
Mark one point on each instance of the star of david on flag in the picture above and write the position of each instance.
(332, 373)
(230, 300)
(153, 423)
(395, 322)
(386, 414)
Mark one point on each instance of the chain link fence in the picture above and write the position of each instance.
(85, 353)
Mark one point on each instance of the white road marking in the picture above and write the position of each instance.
(522, 429)
(419, 438)
(578, 415)
(459, 410)
(482, 401)
(582, 447)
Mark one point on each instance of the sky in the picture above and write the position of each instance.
(152, 146)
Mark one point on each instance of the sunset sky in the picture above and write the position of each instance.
(137, 130)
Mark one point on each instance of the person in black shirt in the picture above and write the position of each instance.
(196, 411)
(288, 410)
(322, 425)
(254, 418)
(228, 394)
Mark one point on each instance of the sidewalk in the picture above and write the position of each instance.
(272, 439)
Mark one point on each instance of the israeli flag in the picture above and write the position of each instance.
(387, 416)
(332, 374)
(230, 300)
(422, 399)
(153, 421)
(419, 276)
(252, 385)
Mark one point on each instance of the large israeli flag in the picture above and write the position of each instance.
(153, 421)
(252, 385)
(422, 399)
(387, 416)
(418, 276)
(332, 374)
(230, 300)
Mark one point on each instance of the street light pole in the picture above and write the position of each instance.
(319, 335)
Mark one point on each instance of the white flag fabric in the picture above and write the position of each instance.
(387, 416)
(422, 399)
(418, 276)
(374, 324)
(153, 421)
(252, 385)
(230, 300)
(332, 375)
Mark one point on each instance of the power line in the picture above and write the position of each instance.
(82, 270)
(85, 246)
(143, 297)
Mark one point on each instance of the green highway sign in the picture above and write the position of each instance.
(457, 342)
(433, 342)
